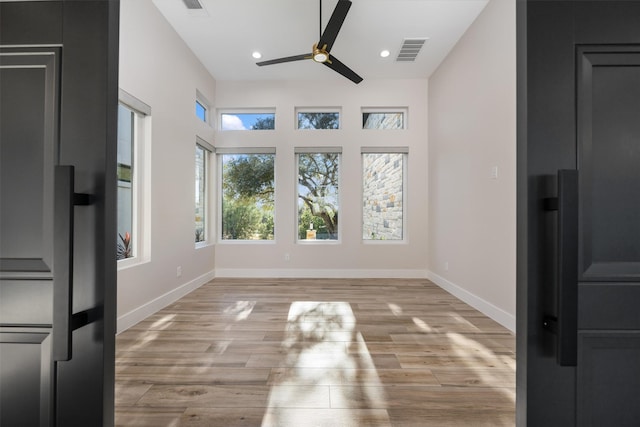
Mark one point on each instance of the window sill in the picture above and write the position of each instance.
(246, 242)
(384, 242)
(318, 242)
(127, 263)
(205, 244)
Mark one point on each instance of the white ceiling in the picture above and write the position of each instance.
(226, 33)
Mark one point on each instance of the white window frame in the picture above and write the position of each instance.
(318, 150)
(209, 151)
(220, 193)
(141, 181)
(337, 110)
(405, 160)
(382, 110)
(234, 111)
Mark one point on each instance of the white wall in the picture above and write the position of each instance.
(351, 257)
(157, 68)
(472, 129)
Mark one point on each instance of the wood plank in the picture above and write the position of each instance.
(189, 375)
(352, 376)
(127, 416)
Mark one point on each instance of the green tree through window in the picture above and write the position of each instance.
(248, 189)
(318, 120)
(247, 196)
(265, 123)
(318, 175)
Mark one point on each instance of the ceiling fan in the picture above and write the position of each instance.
(321, 49)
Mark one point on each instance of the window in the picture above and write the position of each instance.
(314, 119)
(203, 152)
(392, 118)
(201, 111)
(202, 107)
(318, 193)
(132, 137)
(126, 140)
(383, 195)
(248, 194)
(249, 120)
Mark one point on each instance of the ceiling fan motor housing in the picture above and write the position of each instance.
(320, 54)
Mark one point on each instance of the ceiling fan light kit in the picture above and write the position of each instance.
(321, 51)
(320, 54)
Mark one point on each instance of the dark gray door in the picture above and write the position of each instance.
(579, 229)
(58, 106)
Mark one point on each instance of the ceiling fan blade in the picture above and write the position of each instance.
(286, 59)
(339, 67)
(335, 23)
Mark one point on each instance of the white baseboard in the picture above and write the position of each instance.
(320, 273)
(499, 315)
(134, 316)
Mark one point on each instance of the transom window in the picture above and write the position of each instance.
(318, 118)
(202, 107)
(247, 120)
(383, 118)
(201, 111)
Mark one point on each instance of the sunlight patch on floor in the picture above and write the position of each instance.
(144, 342)
(395, 309)
(317, 340)
(481, 356)
(219, 347)
(421, 324)
(241, 309)
(164, 322)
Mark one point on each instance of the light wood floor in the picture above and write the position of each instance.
(302, 352)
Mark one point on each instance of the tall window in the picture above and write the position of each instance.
(318, 193)
(132, 114)
(126, 157)
(383, 193)
(203, 152)
(248, 190)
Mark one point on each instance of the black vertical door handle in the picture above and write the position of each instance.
(565, 324)
(567, 267)
(63, 262)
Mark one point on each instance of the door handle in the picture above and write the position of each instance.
(63, 261)
(565, 324)
(63, 218)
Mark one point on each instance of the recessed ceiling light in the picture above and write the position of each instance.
(256, 55)
(385, 53)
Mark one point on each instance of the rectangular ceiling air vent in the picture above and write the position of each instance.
(192, 4)
(410, 49)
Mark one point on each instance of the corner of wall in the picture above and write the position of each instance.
(504, 318)
(140, 313)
